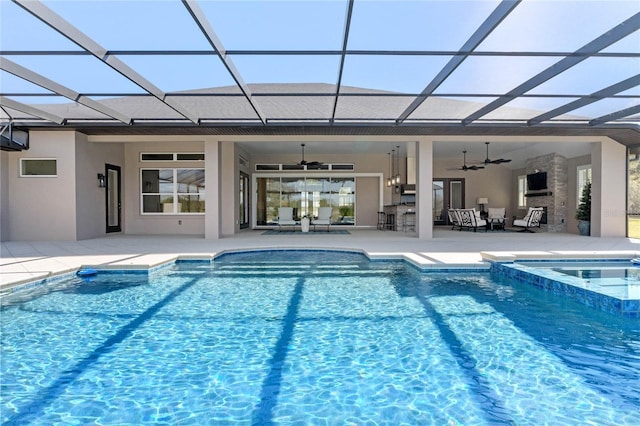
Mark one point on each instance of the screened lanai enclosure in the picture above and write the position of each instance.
(458, 73)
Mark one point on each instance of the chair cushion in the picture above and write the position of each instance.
(497, 212)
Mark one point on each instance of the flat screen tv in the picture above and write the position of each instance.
(536, 181)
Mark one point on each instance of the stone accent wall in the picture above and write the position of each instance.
(557, 178)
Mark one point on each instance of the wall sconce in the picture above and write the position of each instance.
(101, 181)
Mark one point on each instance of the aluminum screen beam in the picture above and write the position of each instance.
(59, 24)
(615, 115)
(28, 109)
(586, 100)
(343, 55)
(207, 30)
(607, 39)
(42, 81)
(487, 27)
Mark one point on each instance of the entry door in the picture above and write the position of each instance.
(113, 199)
(243, 209)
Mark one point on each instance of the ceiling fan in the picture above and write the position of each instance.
(309, 164)
(498, 161)
(464, 163)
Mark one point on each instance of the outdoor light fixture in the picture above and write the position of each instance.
(101, 180)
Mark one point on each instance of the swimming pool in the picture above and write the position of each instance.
(308, 337)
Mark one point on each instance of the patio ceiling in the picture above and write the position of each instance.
(323, 67)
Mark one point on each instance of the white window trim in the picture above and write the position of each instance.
(37, 158)
(174, 194)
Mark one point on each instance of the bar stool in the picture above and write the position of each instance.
(381, 220)
(391, 222)
(408, 221)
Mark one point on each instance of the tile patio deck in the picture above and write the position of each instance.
(27, 261)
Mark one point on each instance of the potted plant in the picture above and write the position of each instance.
(583, 214)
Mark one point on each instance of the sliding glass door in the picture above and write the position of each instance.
(306, 195)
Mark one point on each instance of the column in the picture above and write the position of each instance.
(608, 189)
(424, 183)
(212, 177)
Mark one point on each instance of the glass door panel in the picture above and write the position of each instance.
(268, 200)
(113, 198)
(343, 201)
(438, 202)
(455, 194)
(306, 196)
(243, 208)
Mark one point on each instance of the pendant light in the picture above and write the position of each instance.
(389, 169)
(397, 177)
(393, 167)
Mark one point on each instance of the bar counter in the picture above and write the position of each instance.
(398, 211)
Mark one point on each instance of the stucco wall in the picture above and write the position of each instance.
(493, 182)
(90, 202)
(160, 224)
(44, 208)
(367, 201)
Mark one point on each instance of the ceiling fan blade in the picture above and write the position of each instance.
(498, 161)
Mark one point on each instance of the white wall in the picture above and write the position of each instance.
(160, 224)
(608, 189)
(494, 182)
(90, 198)
(4, 196)
(44, 208)
(366, 209)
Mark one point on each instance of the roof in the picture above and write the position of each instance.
(338, 67)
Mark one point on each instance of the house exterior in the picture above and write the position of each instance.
(71, 204)
(202, 130)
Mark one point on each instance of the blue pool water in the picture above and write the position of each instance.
(312, 338)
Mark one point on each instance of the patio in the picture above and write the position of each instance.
(27, 261)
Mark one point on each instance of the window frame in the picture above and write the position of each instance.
(175, 194)
(26, 159)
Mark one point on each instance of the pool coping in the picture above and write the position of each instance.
(423, 261)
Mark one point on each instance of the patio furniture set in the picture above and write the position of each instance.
(495, 219)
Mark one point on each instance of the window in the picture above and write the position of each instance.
(522, 189)
(583, 176)
(172, 191)
(42, 167)
(171, 156)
